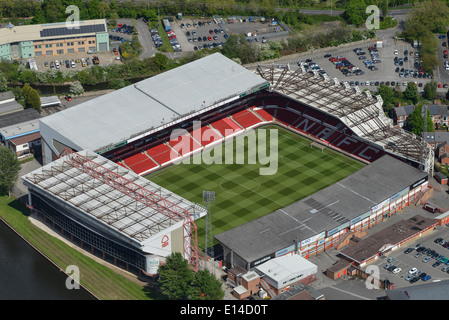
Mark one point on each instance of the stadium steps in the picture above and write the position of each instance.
(256, 114)
(231, 118)
(145, 152)
(247, 119)
(266, 286)
(193, 138)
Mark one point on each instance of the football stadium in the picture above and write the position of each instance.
(124, 173)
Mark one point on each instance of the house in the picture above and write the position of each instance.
(438, 113)
(401, 114)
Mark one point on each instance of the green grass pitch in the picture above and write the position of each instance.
(242, 194)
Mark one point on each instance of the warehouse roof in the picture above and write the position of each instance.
(17, 117)
(438, 290)
(112, 196)
(136, 109)
(322, 211)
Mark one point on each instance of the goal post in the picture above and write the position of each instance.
(317, 145)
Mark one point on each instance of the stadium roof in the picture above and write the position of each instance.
(108, 195)
(322, 211)
(149, 104)
(360, 111)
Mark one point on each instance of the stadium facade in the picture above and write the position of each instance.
(130, 130)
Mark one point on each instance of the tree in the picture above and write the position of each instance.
(384, 9)
(430, 127)
(76, 88)
(178, 282)
(206, 287)
(430, 90)
(175, 277)
(31, 97)
(411, 93)
(415, 121)
(387, 95)
(161, 61)
(3, 82)
(355, 12)
(9, 170)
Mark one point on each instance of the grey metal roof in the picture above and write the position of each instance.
(337, 204)
(7, 95)
(52, 100)
(18, 117)
(427, 291)
(125, 113)
(9, 107)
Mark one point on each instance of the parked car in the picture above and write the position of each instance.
(407, 251)
(425, 260)
(413, 270)
(397, 270)
(426, 278)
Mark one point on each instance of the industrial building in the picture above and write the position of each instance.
(29, 41)
(19, 131)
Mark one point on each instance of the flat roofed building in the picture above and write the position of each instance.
(148, 106)
(28, 41)
(287, 270)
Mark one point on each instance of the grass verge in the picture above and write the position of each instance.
(102, 281)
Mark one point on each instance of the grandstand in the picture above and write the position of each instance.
(214, 99)
(359, 111)
(112, 212)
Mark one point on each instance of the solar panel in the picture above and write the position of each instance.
(62, 31)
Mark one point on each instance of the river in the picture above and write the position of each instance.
(26, 275)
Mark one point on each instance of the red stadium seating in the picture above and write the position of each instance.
(226, 126)
(162, 153)
(140, 163)
(215, 124)
(246, 118)
(263, 113)
(206, 135)
(184, 144)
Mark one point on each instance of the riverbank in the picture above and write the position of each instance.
(101, 281)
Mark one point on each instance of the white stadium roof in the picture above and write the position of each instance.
(154, 102)
(119, 201)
